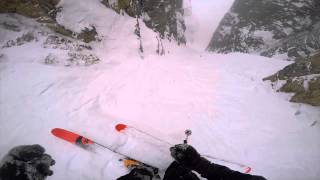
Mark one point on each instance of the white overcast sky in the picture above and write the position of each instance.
(207, 14)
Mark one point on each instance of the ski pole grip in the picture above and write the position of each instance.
(188, 133)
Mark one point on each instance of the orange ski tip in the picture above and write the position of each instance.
(120, 127)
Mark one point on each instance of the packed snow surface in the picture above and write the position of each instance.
(233, 114)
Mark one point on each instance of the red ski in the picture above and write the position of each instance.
(72, 137)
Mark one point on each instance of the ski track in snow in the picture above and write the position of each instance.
(233, 114)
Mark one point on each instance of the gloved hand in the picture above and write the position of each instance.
(177, 172)
(185, 155)
(137, 174)
(26, 163)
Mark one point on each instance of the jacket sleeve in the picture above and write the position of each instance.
(217, 172)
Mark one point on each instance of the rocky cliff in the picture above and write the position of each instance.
(164, 17)
(45, 11)
(290, 28)
(285, 29)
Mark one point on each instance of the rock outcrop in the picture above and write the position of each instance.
(290, 28)
(303, 79)
(164, 17)
(17, 30)
(41, 10)
(44, 11)
(311, 95)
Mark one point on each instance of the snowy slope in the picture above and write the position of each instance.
(233, 114)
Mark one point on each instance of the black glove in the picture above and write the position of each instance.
(177, 172)
(185, 155)
(137, 174)
(26, 163)
(257, 178)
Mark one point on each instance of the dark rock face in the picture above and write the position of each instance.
(293, 86)
(30, 8)
(164, 17)
(270, 27)
(87, 35)
(311, 95)
(298, 45)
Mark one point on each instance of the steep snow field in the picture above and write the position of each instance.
(233, 114)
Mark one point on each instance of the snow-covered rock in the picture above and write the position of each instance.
(164, 17)
(45, 12)
(19, 31)
(287, 29)
(284, 29)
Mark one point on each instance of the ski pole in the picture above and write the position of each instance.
(120, 127)
(188, 132)
(247, 169)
